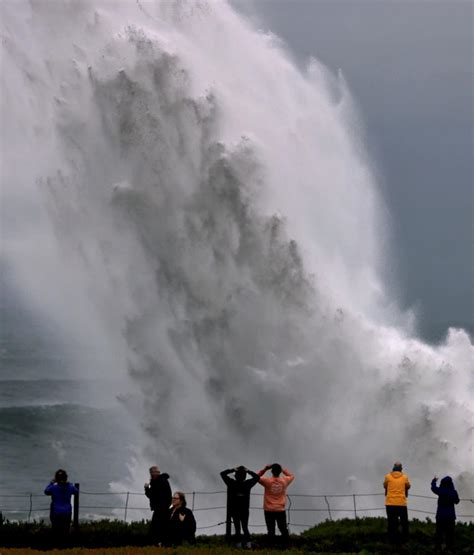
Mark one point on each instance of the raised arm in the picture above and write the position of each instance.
(434, 487)
(254, 478)
(225, 476)
(264, 469)
(289, 477)
(261, 478)
(148, 491)
(49, 488)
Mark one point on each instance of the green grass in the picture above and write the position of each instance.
(364, 535)
(143, 551)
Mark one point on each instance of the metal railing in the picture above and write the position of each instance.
(210, 507)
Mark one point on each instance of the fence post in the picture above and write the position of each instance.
(194, 496)
(228, 520)
(126, 507)
(31, 507)
(329, 508)
(75, 510)
(355, 507)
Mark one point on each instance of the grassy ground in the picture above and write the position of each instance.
(149, 551)
(363, 535)
(140, 551)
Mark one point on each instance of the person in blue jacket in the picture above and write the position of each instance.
(445, 514)
(61, 492)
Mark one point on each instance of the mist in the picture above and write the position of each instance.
(203, 214)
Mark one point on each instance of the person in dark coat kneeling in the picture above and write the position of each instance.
(445, 514)
(181, 524)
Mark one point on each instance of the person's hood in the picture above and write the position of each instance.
(396, 473)
(447, 482)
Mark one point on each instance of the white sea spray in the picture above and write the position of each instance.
(178, 195)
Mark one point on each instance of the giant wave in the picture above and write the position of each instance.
(205, 213)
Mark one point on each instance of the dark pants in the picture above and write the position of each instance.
(397, 516)
(159, 522)
(240, 518)
(445, 530)
(60, 524)
(279, 518)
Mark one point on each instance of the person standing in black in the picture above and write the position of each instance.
(158, 491)
(445, 514)
(238, 499)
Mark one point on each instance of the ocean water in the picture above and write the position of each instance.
(50, 418)
(46, 424)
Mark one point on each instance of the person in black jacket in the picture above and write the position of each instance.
(181, 522)
(445, 514)
(158, 491)
(238, 498)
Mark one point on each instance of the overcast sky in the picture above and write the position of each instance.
(409, 65)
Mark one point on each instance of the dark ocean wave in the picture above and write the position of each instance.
(70, 419)
(46, 392)
(93, 444)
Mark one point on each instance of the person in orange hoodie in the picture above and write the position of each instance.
(274, 498)
(396, 485)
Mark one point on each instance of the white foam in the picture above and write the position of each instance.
(205, 213)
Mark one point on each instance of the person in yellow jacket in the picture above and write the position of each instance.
(396, 485)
